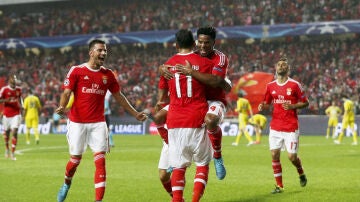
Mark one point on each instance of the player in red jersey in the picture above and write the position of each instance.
(10, 95)
(286, 95)
(86, 126)
(215, 96)
(185, 119)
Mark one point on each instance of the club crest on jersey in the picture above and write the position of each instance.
(288, 91)
(104, 79)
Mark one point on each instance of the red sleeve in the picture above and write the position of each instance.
(162, 83)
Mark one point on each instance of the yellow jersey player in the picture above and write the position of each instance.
(32, 109)
(259, 123)
(243, 108)
(348, 121)
(333, 112)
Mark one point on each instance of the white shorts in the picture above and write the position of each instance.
(11, 122)
(187, 145)
(217, 108)
(164, 157)
(80, 135)
(289, 140)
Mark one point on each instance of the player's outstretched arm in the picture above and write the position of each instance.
(124, 102)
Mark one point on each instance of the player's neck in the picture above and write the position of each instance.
(282, 79)
(93, 65)
(184, 50)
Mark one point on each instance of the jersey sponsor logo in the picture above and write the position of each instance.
(93, 90)
(281, 101)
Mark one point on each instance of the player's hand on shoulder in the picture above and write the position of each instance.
(164, 71)
(185, 69)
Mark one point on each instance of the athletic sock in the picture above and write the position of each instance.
(6, 140)
(13, 144)
(178, 184)
(100, 176)
(71, 166)
(299, 167)
(215, 138)
(276, 165)
(200, 181)
(167, 186)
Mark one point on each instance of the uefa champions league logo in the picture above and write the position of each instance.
(12, 43)
(108, 38)
(327, 28)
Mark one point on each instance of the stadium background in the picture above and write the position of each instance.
(325, 57)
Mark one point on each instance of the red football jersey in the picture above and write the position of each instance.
(289, 92)
(188, 104)
(89, 87)
(221, 62)
(12, 107)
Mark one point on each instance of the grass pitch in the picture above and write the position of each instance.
(332, 171)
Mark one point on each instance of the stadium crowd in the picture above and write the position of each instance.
(112, 16)
(328, 67)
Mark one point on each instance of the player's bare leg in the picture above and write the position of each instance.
(165, 180)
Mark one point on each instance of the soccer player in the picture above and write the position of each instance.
(86, 126)
(185, 119)
(10, 95)
(244, 110)
(348, 120)
(333, 113)
(215, 94)
(32, 109)
(259, 122)
(286, 95)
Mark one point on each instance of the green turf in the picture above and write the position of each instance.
(332, 171)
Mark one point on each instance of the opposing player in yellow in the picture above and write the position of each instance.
(259, 123)
(348, 121)
(333, 112)
(243, 107)
(32, 109)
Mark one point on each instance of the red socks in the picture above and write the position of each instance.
(167, 187)
(178, 184)
(215, 138)
(13, 144)
(100, 176)
(71, 166)
(276, 165)
(200, 181)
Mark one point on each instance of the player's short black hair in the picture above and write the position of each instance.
(184, 38)
(209, 31)
(95, 41)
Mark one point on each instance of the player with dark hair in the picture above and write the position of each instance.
(286, 95)
(10, 95)
(187, 109)
(89, 83)
(214, 94)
